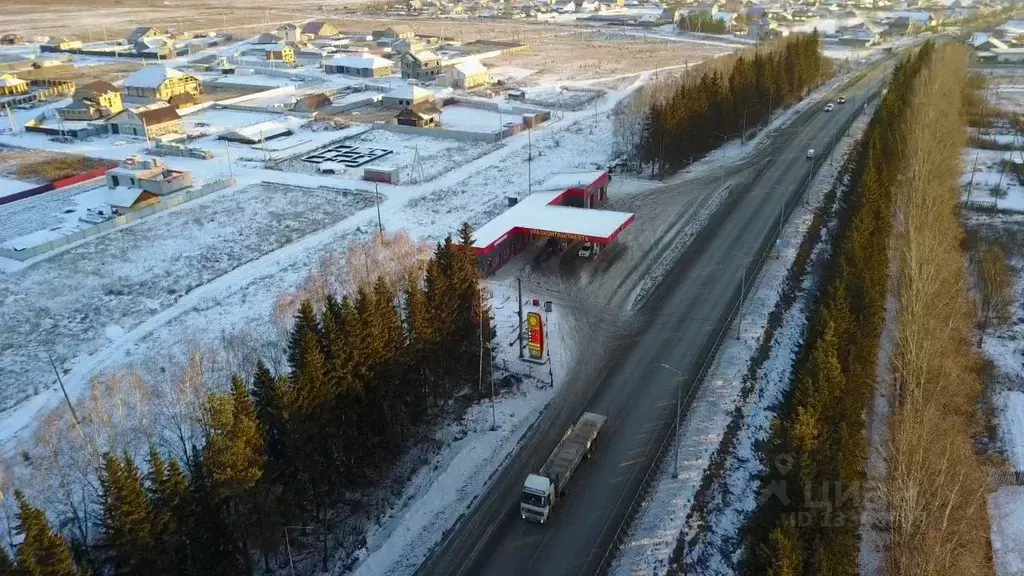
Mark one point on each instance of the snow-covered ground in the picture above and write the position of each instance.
(9, 186)
(1002, 344)
(472, 119)
(666, 514)
(33, 221)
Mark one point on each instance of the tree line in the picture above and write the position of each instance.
(935, 494)
(808, 519)
(368, 375)
(702, 113)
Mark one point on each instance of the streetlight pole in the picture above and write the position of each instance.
(380, 223)
(739, 306)
(679, 400)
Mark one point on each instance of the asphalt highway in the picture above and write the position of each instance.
(622, 378)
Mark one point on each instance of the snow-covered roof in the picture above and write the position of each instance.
(425, 55)
(353, 61)
(122, 197)
(566, 181)
(470, 67)
(409, 92)
(151, 76)
(10, 81)
(1016, 26)
(541, 213)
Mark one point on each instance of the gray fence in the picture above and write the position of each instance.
(170, 201)
(440, 132)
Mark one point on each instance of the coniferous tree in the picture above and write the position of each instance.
(126, 538)
(167, 490)
(212, 548)
(234, 460)
(7, 567)
(42, 551)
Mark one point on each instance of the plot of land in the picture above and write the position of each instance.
(64, 304)
(437, 156)
(48, 216)
(471, 119)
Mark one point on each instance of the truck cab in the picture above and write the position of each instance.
(538, 494)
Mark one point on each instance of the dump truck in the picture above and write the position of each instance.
(542, 489)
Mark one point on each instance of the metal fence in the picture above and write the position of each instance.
(169, 201)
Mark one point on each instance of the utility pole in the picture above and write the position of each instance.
(480, 329)
(529, 160)
(231, 172)
(519, 286)
(739, 306)
(380, 223)
(679, 401)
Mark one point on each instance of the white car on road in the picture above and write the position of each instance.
(810, 153)
(830, 107)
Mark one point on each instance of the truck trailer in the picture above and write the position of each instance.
(542, 489)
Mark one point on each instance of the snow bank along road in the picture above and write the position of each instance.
(677, 326)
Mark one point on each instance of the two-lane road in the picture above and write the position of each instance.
(680, 324)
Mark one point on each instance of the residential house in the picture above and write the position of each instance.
(279, 52)
(421, 66)
(142, 32)
(468, 75)
(160, 83)
(310, 57)
(590, 6)
(150, 175)
(92, 101)
(11, 85)
(60, 44)
(980, 41)
(704, 8)
(406, 95)
(319, 29)
(903, 21)
(267, 38)
(1009, 55)
(862, 34)
(290, 32)
(150, 121)
(9, 39)
(566, 7)
(425, 115)
(156, 47)
(727, 18)
(407, 46)
(368, 66)
(398, 32)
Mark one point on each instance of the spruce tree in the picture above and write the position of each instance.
(125, 536)
(167, 490)
(266, 397)
(234, 451)
(7, 567)
(42, 552)
(212, 550)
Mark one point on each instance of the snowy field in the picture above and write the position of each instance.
(73, 302)
(471, 119)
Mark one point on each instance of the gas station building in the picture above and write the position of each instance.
(564, 208)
